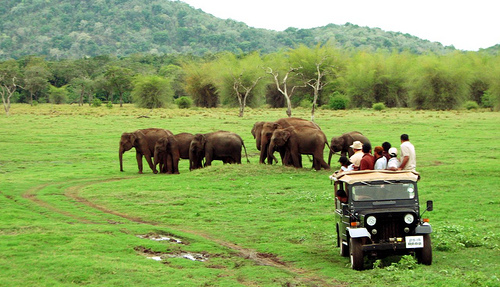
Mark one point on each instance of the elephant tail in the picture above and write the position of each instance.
(246, 155)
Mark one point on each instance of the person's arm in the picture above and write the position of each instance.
(404, 161)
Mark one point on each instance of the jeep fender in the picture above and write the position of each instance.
(358, 232)
(425, 228)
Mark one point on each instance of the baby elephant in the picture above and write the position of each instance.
(166, 154)
(298, 141)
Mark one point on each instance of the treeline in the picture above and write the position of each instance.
(62, 29)
(321, 76)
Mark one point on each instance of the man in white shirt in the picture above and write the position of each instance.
(408, 156)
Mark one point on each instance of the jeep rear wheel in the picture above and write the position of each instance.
(424, 255)
(356, 251)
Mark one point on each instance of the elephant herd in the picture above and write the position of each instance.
(290, 137)
(162, 148)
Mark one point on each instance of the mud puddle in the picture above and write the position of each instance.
(160, 256)
(159, 237)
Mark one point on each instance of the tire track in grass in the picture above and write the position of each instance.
(302, 276)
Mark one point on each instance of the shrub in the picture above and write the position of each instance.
(378, 106)
(487, 100)
(58, 95)
(338, 101)
(109, 105)
(152, 92)
(96, 102)
(305, 103)
(471, 105)
(184, 103)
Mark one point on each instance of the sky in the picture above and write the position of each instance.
(467, 25)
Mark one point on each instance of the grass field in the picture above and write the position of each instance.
(70, 217)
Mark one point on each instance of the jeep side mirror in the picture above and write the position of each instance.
(429, 205)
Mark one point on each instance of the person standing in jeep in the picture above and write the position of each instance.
(408, 156)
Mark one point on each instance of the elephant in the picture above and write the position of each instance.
(263, 138)
(144, 143)
(342, 143)
(220, 145)
(300, 140)
(183, 142)
(167, 155)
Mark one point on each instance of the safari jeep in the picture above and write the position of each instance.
(378, 214)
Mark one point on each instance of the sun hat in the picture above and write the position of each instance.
(357, 145)
(393, 151)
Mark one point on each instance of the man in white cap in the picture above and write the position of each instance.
(355, 159)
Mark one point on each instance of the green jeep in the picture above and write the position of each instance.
(378, 214)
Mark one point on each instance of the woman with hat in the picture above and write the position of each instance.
(380, 160)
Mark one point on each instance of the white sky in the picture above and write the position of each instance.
(465, 24)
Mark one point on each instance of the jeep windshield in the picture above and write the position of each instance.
(386, 190)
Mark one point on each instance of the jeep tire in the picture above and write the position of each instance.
(424, 255)
(356, 252)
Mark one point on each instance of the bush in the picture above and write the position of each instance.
(471, 105)
(96, 102)
(338, 101)
(152, 92)
(378, 106)
(487, 100)
(58, 95)
(109, 105)
(305, 103)
(184, 103)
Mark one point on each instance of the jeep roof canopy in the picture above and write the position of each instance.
(351, 177)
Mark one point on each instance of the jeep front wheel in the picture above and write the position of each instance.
(424, 255)
(356, 251)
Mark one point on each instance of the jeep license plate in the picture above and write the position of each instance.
(414, 241)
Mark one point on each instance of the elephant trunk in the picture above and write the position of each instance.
(120, 156)
(270, 153)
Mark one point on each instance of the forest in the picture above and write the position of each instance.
(67, 29)
(322, 76)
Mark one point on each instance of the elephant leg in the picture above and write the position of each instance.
(296, 158)
(169, 166)
(208, 159)
(175, 163)
(150, 162)
(138, 156)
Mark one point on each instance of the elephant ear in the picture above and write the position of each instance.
(286, 135)
(276, 126)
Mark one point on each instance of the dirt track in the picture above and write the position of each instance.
(302, 276)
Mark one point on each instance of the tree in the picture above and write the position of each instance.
(239, 77)
(319, 66)
(36, 79)
(152, 92)
(58, 95)
(10, 76)
(120, 79)
(286, 77)
(84, 86)
(199, 83)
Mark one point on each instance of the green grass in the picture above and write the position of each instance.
(70, 217)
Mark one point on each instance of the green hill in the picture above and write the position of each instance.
(74, 29)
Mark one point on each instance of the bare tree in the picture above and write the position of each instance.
(242, 97)
(7, 89)
(283, 86)
(317, 85)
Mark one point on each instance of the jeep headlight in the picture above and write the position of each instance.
(371, 220)
(409, 218)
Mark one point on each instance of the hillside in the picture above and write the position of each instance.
(73, 29)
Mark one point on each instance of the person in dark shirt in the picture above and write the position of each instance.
(368, 160)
